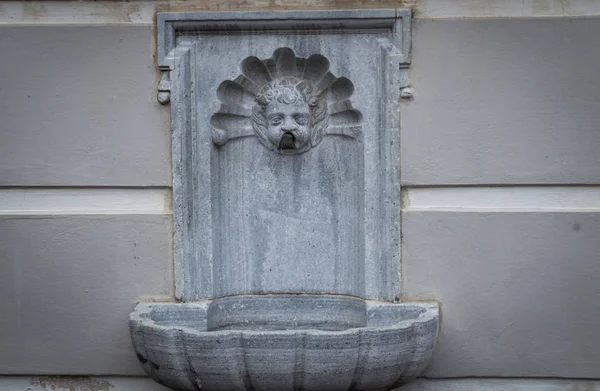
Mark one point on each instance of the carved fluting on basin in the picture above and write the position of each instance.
(176, 350)
(289, 103)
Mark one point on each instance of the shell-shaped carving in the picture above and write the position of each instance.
(321, 99)
(176, 350)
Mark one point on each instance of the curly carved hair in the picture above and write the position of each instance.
(290, 90)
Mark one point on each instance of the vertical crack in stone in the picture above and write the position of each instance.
(300, 362)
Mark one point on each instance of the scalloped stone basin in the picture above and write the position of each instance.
(176, 350)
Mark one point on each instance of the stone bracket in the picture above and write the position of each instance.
(164, 89)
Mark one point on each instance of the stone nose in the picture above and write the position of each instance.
(288, 124)
(288, 127)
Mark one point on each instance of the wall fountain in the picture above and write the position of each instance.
(286, 205)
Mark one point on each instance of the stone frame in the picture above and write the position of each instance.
(193, 243)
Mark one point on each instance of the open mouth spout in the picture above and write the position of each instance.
(287, 141)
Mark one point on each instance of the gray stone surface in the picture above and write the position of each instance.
(78, 383)
(502, 385)
(67, 286)
(501, 101)
(79, 108)
(484, 286)
(176, 350)
(170, 24)
(286, 206)
(455, 288)
(281, 312)
(289, 189)
(289, 224)
(518, 291)
(315, 222)
(106, 383)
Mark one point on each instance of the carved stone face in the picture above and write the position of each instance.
(288, 117)
(291, 118)
(285, 101)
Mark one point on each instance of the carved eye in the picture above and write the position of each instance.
(301, 119)
(275, 120)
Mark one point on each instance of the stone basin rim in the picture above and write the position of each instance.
(142, 316)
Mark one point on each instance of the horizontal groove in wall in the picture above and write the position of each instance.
(502, 198)
(68, 201)
(142, 12)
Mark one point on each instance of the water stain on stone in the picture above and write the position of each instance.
(142, 358)
(71, 383)
(583, 386)
(35, 11)
(576, 227)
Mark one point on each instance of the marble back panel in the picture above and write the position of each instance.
(251, 218)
